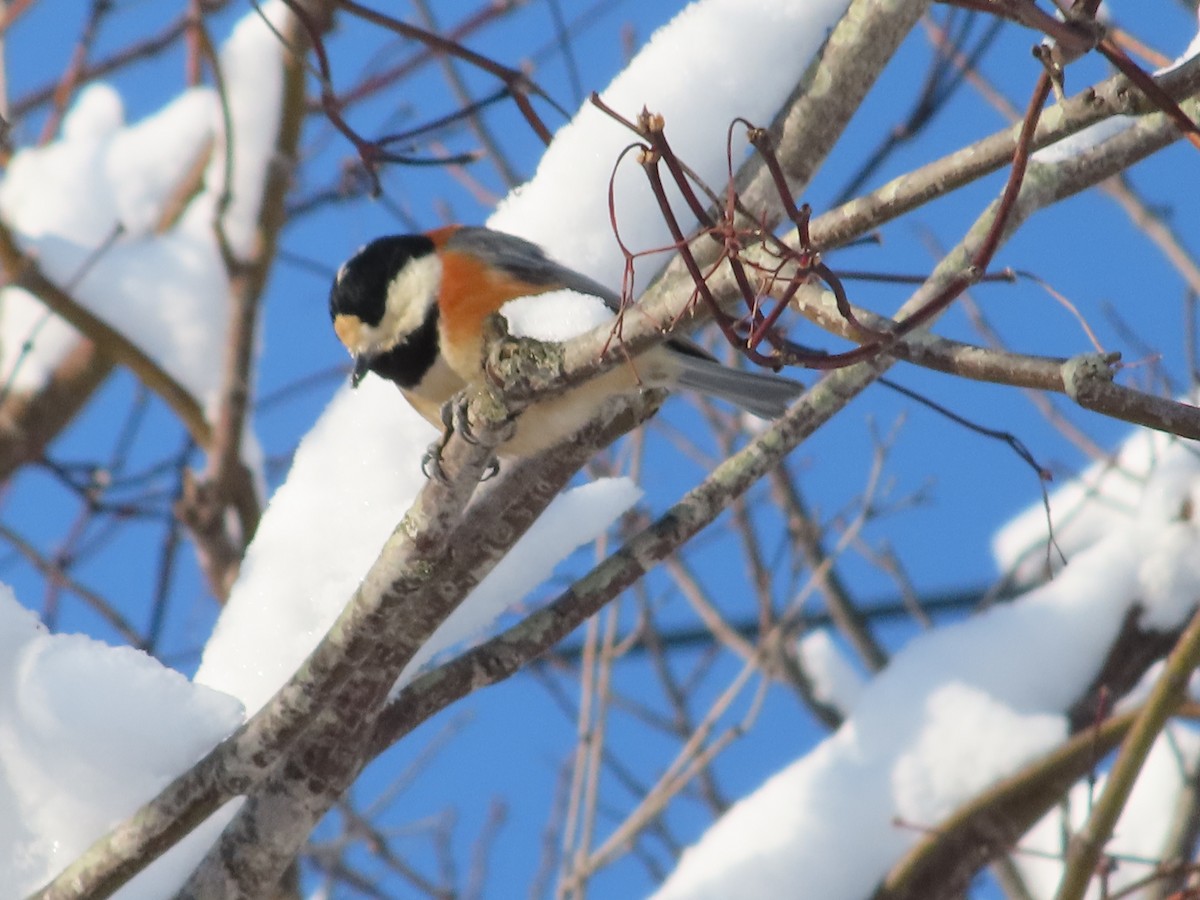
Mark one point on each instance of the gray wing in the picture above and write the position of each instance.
(527, 261)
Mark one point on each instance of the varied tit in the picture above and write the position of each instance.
(411, 308)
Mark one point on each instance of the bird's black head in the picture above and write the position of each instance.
(383, 304)
(361, 287)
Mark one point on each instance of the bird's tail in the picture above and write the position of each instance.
(763, 395)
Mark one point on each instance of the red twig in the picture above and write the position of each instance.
(800, 264)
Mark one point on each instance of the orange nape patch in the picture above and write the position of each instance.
(470, 293)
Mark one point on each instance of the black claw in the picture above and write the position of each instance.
(431, 463)
(461, 423)
(447, 418)
(454, 418)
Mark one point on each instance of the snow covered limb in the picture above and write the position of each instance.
(403, 599)
(945, 860)
(351, 671)
(668, 300)
(1047, 183)
(803, 132)
(588, 354)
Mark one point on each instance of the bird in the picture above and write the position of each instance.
(411, 308)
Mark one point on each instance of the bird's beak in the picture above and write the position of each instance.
(362, 365)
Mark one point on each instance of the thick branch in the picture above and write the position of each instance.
(440, 554)
(410, 566)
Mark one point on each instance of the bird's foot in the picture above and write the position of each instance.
(454, 419)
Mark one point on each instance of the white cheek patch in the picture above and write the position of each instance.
(409, 297)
